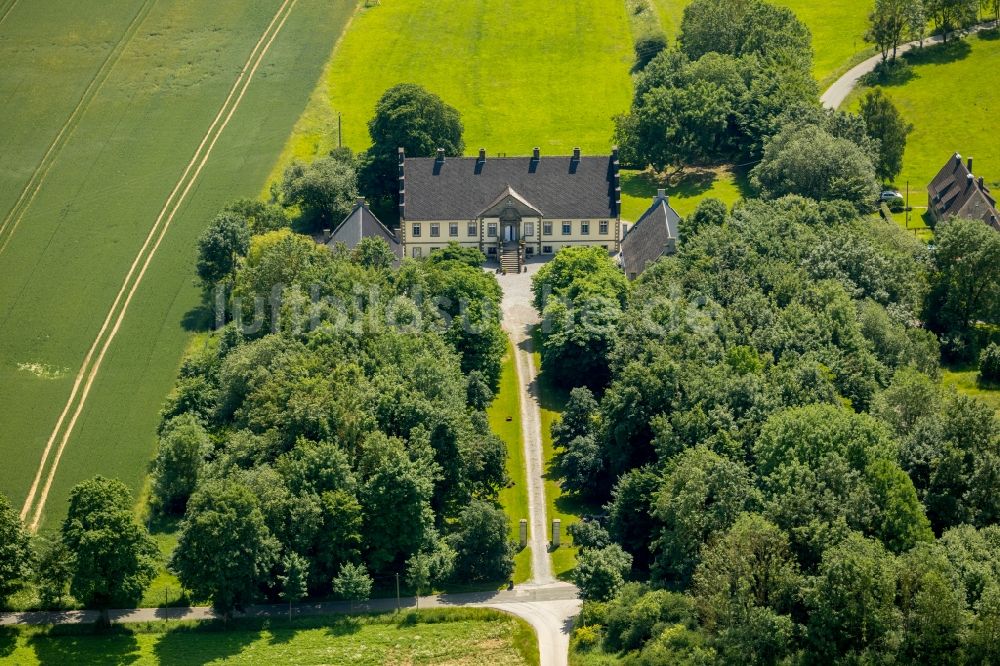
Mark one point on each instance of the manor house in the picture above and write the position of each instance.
(511, 208)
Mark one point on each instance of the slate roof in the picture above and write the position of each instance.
(362, 223)
(654, 235)
(459, 188)
(956, 192)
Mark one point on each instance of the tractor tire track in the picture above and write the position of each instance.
(13, 218)
(133, 280)
(5, 12)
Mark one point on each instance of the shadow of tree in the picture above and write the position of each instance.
(200, 318)
(206, 641)
(8, 640)
(690, 183)
(939, 54)
(990, 35)
(85, 644)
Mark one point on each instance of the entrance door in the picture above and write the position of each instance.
(509, 233)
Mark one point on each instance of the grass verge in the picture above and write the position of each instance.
(505, 421)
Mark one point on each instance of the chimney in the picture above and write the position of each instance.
(970, 180)
(326, 235)
(402, 184)
(360, 202)
(970, 164)
(440, 155)
(982, 184)
(958, 160)
(576, 153)
(617, 181)
(536, 153)
(482, 154)
(661, 195)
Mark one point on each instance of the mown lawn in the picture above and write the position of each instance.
(966, 380)
(505, 421)
(837, 28)
(966, 124)
(523, 73)
(453, 636)
(685, 190)
(102, 192)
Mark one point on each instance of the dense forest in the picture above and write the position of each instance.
(782, 474)
(339, 426)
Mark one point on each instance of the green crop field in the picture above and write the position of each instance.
(453, 636)
(967, 124)
(838, 29)
(105, 106)
(505, 421)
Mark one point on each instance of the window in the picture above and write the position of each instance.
(417, 253)
(585, 227)
(529, 228)
(603, 227)
(435, 230)
(567, 228)
(491, 229)
(491, 250)
(546, 228)
(416, 230)
(453, 229)
(546, 249)
(605, 247)
(529, 251)
(473, 229)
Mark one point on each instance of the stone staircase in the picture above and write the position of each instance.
(510, 258)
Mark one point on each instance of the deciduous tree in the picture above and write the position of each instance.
(225, 551)
(407, 116)
(483, 550)
(180, 457)
(353, 583)
(221, 247)
(810, 162)
(15, 553)
(884, 123)
(600, 572)
(113, 556)
(325, 190)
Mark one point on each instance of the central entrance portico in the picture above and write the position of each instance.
(509, 209)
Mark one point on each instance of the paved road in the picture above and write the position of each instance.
(511, 600)
(842, 87)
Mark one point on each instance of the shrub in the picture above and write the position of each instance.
(600, 573)
(989, 364)
(586, 637)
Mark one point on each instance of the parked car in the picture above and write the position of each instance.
(893, 199)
